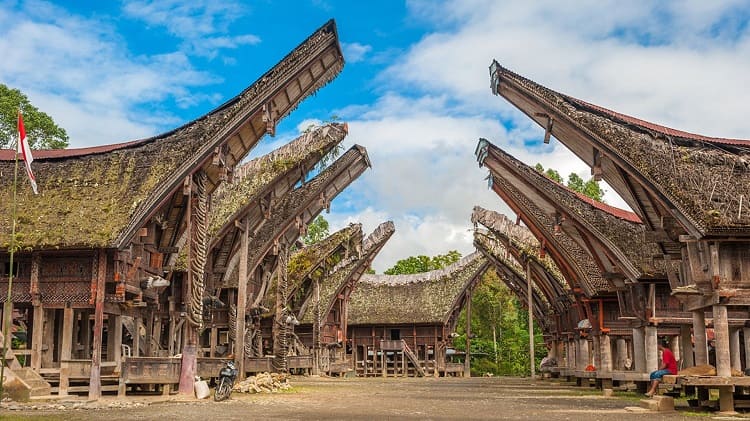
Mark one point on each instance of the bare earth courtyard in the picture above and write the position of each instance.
(378, 398)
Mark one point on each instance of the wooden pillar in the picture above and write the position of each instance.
(721, 331)
(37, 327)
(83, 331)
(148, 330)
(48, 341)
(213, 339)
(723, 358)
(605, 345)
(652, 349)
(37, 337)
(530, 296)
(699, 335)
(66, 338)
(572, 354)
(686, 346)
(239, 344)
(734, 349)
(596, 345)
(621, 353)
(172, 325)
(114, 327)
(95, 383)
(746, 337)
(582, 354)
(639, 349)
(136, 336)
(467, 359)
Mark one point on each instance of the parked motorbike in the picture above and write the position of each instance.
(227, 376)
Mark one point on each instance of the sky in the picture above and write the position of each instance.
(415, 89)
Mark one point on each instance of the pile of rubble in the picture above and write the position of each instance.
(263, 382)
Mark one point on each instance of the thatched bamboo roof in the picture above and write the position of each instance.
(345, 275)
(619, 231)
(575, 262)
(254, 178)
(506, 237)
(299, 207)
(100, 196)
(702, 181)
(423, 298)
(513, 275)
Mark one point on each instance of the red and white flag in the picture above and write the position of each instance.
(25, 151)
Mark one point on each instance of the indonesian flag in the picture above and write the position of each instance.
(25, 151)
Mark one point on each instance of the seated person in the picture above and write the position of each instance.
(668, 366)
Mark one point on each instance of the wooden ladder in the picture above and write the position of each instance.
(412, 358)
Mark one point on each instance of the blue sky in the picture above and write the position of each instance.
(415, 89)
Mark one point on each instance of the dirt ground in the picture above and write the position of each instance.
(378, 398)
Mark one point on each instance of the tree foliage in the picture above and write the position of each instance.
(41, 130)
(500, 323)
(590, 188)
(419, 264)
(316, 231)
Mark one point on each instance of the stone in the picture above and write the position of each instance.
(608, 393)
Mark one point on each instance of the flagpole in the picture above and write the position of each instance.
(8, 310)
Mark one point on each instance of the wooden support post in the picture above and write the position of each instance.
(239, 344)
(83, 331)
(172, 325)
(606, 354)
(621, 347)
(95, 383)
(734, 349)
(115, 331)
(596, 345)
(572, 354)
(148, 330)
(639, 349)
(213, 339)
(746, 337)
(66, 345)
(721, 331)
(723, 358)
(156, 335)
(467, 359)
(699, 335)
(582, 354)
(136, 336)
(48, 341)
(686, 346)
(530, 296)
(652, 349)
(37, 337)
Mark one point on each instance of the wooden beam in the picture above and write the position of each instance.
(66, 338)
(239, 335)
(96, 355)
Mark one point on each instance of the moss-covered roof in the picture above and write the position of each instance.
(618, 230)
(703, 177)
(423, 298)
(349, 270)
(303, 202)
(97, 197)
(253, 178)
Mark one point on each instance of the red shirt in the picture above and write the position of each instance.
(667, 358)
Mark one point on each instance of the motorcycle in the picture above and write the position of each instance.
(227, 376)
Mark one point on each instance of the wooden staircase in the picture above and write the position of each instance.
(413, 358)
(37, 385)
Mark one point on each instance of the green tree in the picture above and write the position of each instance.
(41, 130)
(552, 174)
(316, 231)
(593, 190)
(500, 324)
(422, 263)
(575, 182)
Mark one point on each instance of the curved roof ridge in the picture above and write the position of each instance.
(302, 145)
(423, 276)
(624, 118)
(41, 154)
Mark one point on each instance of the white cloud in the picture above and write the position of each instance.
(197, 23)
(355, 52)
(81, 72)
(678, 64)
